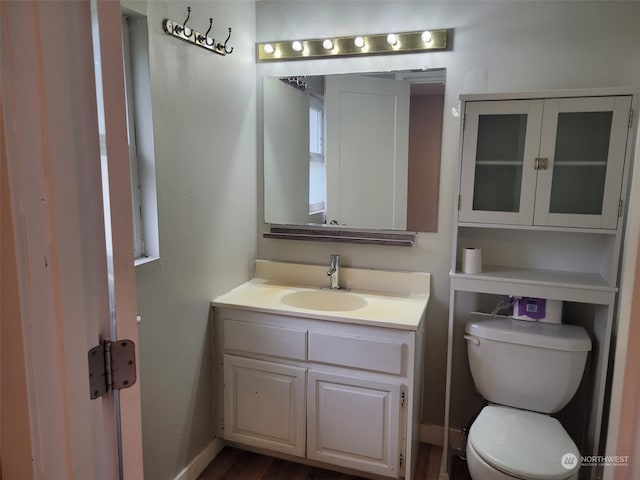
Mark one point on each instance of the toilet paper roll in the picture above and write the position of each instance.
(471, 260)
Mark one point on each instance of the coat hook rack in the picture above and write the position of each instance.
(183, 32)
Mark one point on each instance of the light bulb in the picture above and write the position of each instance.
(297, 46)
(392, 39)
(426, 36)
(268, 49)
(359, 42)
(327, 44)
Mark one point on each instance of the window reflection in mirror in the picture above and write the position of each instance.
(354, 150)
(317, 189)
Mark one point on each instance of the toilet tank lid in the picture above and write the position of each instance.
(569, 338)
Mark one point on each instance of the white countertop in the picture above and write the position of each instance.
(398, 309)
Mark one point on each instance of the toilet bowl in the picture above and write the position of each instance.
(505, 443)
(527, 370)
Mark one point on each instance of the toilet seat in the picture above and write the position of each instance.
(523, 444)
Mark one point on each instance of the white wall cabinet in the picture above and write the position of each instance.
(320, 392)
(542, 183)
(544, 162)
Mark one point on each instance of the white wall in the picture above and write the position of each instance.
(204, 118)
(286, 152)
(497, 47)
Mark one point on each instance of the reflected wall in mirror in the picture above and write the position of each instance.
(354, 150)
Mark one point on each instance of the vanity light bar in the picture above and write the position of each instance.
(396, 42)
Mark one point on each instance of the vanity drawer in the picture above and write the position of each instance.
(357, 352)
(265, 340)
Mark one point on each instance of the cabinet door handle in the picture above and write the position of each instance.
(542, 163)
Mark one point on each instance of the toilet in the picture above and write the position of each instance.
(526, 371)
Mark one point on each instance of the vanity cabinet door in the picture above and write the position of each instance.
(264, 404)
(584, 141)
(353, 422)
(500, 142)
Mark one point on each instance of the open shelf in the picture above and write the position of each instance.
(550, 284)
(542, 257)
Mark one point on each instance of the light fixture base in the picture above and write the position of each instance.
(314, 48)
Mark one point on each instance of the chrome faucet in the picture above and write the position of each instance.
(334, 272)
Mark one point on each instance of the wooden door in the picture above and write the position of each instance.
(54, 178)
(367, 128)
(354, 422)
(264, 404)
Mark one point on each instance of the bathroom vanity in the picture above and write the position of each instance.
(325, 377)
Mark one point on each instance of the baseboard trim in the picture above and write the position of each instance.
(434, 434)
(200, 462)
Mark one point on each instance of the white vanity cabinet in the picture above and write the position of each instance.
(322, 392)
(544, 161)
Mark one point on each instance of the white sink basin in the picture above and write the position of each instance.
(325, 300)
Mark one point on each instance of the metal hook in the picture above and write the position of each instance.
(206, 35)
(225, 43)
(184, 25)
(205, 38)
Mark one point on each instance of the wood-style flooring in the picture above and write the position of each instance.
(235, 464)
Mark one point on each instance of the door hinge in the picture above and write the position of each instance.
(459, 201)
(401, 460)
(112, 366)
(620, 206)
(402, 399)
(630, 117)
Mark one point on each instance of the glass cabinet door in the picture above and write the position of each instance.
(583, 142)
(501, 140)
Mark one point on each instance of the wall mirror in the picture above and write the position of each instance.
(354, 150)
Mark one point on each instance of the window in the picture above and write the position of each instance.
(317, 190)
(140, 137)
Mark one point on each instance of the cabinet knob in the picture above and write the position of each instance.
(541, 163)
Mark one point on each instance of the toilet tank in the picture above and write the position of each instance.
(530, 365)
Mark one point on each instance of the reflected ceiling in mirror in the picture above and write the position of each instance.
(354, 150)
